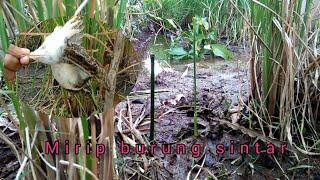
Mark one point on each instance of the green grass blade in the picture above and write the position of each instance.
(121, 13)
(195, 114)
(3, 33)
(18, 5)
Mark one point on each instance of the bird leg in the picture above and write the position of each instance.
(73, 30)
(74, 23)
(34, 57)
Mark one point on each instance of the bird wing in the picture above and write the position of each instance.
(77, 55)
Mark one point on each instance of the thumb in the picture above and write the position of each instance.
(25, 60)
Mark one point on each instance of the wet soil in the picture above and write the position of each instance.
(223, 91)
(9, 164)
(219, 85)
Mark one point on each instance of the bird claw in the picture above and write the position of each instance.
(73, 29)
(74, 23)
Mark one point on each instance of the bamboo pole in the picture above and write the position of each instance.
(108, 114)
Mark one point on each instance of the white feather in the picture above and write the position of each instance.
(68, 75)
(52, 49)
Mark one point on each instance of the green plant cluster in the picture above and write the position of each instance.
(205, 42)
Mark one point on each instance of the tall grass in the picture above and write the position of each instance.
(281, 52)
(3, 35)
(220, 13)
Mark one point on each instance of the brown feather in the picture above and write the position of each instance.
(77, 55)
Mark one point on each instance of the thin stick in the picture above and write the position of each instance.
(94, 142)
(11, 145)
(151, 139)
(195, 118)
(79, 167)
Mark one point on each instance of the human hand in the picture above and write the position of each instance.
(14, 59)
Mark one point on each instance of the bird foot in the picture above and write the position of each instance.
(74, 28)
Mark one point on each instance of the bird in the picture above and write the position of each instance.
(71, 66)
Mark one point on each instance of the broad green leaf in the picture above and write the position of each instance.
(178, 51)
(221, 51)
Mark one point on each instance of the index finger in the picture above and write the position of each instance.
(17, 51)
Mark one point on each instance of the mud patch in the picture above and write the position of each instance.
(219, 85)
(223, 89)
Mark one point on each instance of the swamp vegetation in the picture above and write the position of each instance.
(226, 74)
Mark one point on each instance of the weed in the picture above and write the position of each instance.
(205, 43)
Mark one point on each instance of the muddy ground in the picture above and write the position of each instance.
(223, 93)
(220, 84)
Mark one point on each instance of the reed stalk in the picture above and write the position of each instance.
(195, 98)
